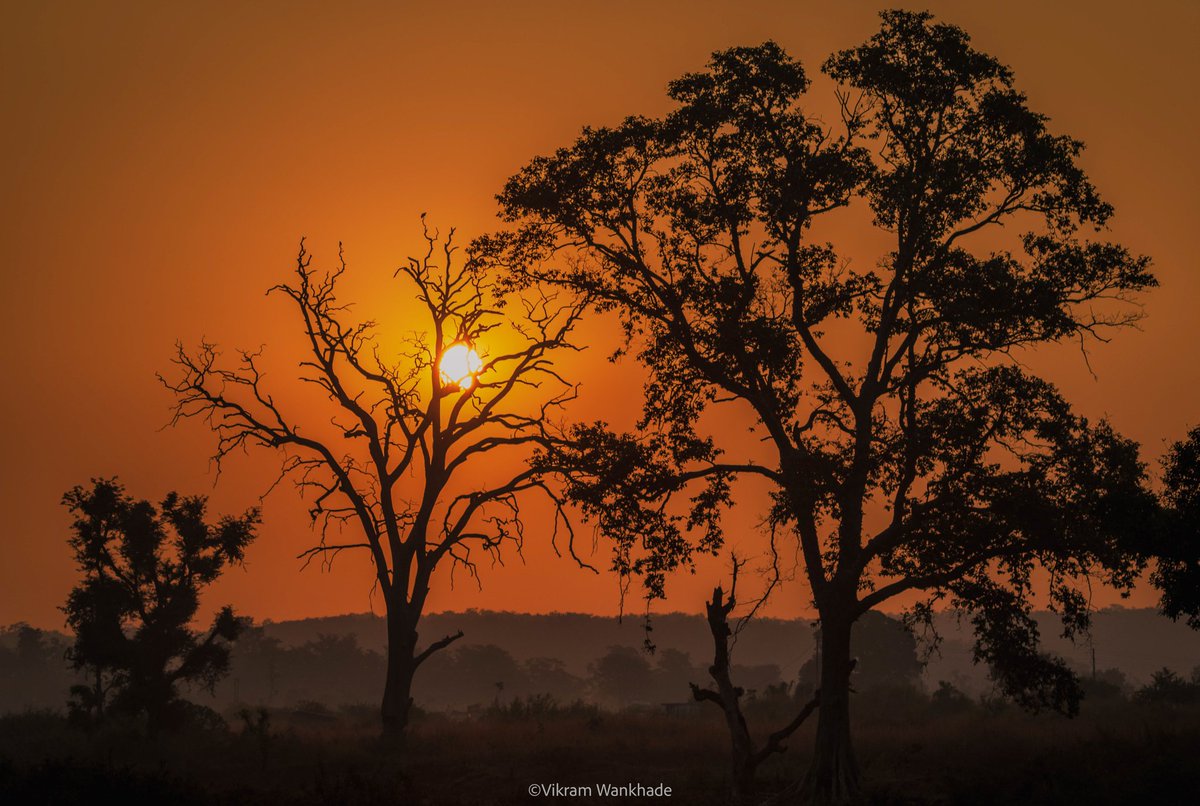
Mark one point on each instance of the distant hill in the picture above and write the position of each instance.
(575, 638)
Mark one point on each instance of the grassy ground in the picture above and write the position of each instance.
(1123, 754)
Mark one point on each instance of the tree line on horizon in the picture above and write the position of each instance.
(326, 674)
(918, 456)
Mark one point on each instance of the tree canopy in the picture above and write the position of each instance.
(909, 447)
(143, 570)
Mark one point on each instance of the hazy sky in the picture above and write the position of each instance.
(161, 161)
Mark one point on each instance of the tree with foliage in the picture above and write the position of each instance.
(909, 449)
(888, 656)
(423, 463)
(143, 570)
(1168, 688)
(621, 676)
(1176, 553)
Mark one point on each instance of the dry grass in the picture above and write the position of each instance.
(1116, 755)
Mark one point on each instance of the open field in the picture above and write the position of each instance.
(1115, 753)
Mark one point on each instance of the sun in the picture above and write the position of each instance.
(459, 365)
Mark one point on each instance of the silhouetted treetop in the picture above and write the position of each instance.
(948, 119)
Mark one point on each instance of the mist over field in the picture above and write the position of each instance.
(338, 660)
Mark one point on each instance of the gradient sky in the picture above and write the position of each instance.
(161, 161)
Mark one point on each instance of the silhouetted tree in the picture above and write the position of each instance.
(909, 451)
(1176, 552)
(469, 676)
(333, 669)
(947, 699)
(549, 677)
(1105, 684)
(403, 430)
(621, 676)
(258, 667)
(143, 570)
(745, 754)
(1168, 688)
(33, 668)
(672, 675)
(886, 651)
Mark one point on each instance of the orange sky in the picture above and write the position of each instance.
(162, 160)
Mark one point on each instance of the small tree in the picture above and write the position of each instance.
(908, 452)
(143, 569)
(405, 429)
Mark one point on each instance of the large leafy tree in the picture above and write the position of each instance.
(908, 448)
(418, 463)
(144, 568)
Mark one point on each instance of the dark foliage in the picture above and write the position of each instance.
(697, 230)
(947, 699)
(1177, 553)
(887, 655)
(143, 570)
(1168, 688)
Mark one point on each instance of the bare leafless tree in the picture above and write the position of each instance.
(404, 430)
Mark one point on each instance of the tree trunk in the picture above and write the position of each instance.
(401, 667)
(833, 775)
(744, 755)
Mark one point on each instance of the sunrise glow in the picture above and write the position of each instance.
(459, 366)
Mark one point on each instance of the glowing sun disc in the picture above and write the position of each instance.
(459, 366)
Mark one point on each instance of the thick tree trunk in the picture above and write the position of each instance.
(403, 661)
(401, 668)
(833, 775)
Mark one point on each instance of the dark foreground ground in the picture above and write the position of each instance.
(1123, 754)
